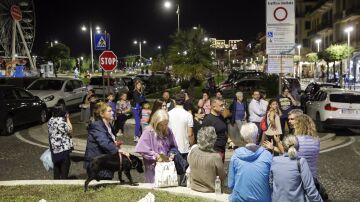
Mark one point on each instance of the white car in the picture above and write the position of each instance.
(65, 91)
(335, 108)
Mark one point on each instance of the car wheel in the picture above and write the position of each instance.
(43, 116)
(319, 125)
(9, 125)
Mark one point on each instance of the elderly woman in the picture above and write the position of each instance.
(101, 138)
(205, 163)
(290, 177)
(61, 145)
(249, 169)
(157, 139)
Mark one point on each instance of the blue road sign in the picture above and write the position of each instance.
(270, 34)
(100, 42)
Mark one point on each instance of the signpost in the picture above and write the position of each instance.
(108, 62)
(100, 41)
(280, 35)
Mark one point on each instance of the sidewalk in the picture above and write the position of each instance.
(173, 190)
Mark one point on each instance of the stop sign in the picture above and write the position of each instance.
(108, 60)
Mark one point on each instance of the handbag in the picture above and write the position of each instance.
(263, 124)
(47, 160)
(165, 174)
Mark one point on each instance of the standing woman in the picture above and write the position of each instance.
(101, 139)
(156, 139)
(61, 145)
(139, 99)
(273, 132)
(205, 102)
(85, 106)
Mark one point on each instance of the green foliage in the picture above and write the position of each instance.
(68, 64)
(57, 52)
(76, 193)
(312, 57)
(270, 83)
(159, 64)
(338, 52)
(296, 58)
(189, 54)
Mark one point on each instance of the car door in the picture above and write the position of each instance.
(14, 106)
(78, 92)
(69, 93)
(30, 111)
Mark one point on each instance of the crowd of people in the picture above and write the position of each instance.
(276, 161)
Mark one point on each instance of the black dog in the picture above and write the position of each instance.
(112, 162)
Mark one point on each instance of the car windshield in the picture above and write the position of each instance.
(345, 98)
(47, 85)
(98, 81)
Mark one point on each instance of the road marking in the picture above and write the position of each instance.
(17, 134)
(352, 140)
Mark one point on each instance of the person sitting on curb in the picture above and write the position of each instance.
(205, 163)
(290, 176)
(249, 169)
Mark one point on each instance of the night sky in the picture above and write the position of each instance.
(147, 19)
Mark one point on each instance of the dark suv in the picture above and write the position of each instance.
(18, 107)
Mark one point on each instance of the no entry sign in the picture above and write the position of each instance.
(15, 12)
(108, 60)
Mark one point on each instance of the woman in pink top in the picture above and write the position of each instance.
(205, 102)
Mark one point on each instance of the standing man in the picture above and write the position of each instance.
(286, 103)
(216, 120)
(170, 103)
(181, 124)
(257, 110)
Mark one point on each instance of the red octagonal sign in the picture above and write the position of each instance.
(108, 60)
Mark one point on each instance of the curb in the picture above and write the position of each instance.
(148, 186)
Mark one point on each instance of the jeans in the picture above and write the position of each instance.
(137, 117)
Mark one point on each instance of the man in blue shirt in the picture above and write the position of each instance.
(286, 103)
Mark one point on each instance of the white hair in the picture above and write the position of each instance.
(239, 93)
(249, 133)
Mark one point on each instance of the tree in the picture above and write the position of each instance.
(56, 53)
(159, 64)
(339, 52)
(68, 64)
(190, 54)
(312, 58)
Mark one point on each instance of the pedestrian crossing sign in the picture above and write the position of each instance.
(100, 42)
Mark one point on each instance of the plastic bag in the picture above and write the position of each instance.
(47, 160)
(165, 174)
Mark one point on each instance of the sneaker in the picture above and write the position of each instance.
(136, 139)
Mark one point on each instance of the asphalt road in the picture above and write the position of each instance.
(338, 169)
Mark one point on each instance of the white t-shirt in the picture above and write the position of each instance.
(179, 122)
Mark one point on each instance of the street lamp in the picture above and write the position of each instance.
(168, 5)
(140, 42)
(318, 41)
(299, 71)
(348, 30)
(159, 47)
(84, 28)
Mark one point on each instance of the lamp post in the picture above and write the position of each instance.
(299, 70)
(84, 28)
(140, 42)
(348, 30)
(317, 41)
(168, 5)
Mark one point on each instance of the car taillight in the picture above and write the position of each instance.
(328, 107)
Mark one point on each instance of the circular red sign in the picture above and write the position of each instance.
(108, 60)
(282, 18)
(16, 12)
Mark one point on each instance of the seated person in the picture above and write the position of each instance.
(205, 164)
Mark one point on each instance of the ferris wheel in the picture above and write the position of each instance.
(17, 29)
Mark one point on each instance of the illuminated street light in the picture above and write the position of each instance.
(168, 5)
(139, 42)
(318, 41)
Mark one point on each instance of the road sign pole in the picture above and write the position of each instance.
(280, 74)
(103, 81)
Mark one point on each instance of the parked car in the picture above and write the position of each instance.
(117, 85)
(312, 89)
(19, 107)
(247, 86)
(65, 91)
(335, 108)
(236, 76)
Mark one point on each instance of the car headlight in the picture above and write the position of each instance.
(49, 98)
